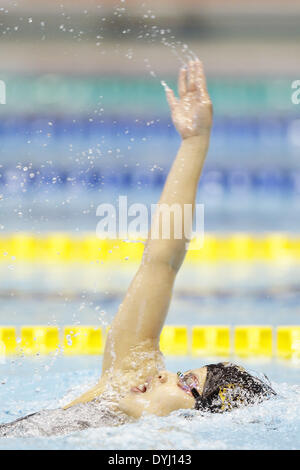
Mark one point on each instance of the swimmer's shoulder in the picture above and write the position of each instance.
(95, 393)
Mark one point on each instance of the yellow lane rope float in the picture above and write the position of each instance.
(65, 248)
(242, 341)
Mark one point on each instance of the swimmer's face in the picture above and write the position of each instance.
(162, 394)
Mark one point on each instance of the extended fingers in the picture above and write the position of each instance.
(182, 82)
(201, 81)
(172, 100)
(192, 79)
(192, 76)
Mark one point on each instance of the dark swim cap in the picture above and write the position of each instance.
(228, 386)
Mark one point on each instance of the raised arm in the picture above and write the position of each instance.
(142, 314)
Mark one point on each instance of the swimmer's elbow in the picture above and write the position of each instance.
(162, 264)
(164, 253)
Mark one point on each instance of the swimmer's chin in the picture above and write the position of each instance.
(135, 404)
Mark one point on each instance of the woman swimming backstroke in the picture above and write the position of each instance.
(134, 379)
(133, 364)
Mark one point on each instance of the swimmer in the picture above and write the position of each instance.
(134, 380)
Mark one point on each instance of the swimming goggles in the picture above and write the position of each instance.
(189, 383)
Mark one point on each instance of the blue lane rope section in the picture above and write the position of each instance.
(62, 126)
(14, 179)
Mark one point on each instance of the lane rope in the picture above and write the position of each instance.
(14, 180)
(55, 248)
(178, 340)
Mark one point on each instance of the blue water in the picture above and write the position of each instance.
(28, 385)
(206, 294)
(74, 209)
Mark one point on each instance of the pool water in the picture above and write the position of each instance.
(204, 294)
(31, 384)
(217, 293)
(61, 158)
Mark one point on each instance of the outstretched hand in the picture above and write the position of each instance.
(192, 111)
